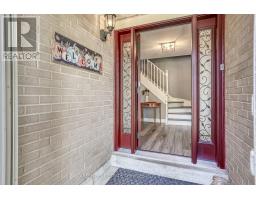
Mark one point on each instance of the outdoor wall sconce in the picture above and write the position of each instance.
(109, 25)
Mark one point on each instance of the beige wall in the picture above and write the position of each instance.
(239, 88)
(65, 113)
(179, 75)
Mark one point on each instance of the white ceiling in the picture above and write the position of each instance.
(150, 41)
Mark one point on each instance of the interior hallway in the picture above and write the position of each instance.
(170, 139)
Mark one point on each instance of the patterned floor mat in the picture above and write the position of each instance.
(130, 177)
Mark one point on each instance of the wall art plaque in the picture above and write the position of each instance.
(73, 53)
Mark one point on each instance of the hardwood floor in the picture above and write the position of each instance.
(170, 139)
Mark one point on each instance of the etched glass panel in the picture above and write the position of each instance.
(205, 65)
(126, 87)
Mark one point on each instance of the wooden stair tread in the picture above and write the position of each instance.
(179, 107)
(175, 101)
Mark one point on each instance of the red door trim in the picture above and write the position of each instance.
(133, 91)
(220, 92)
(164, 23)
(195, 95)
(138, 97)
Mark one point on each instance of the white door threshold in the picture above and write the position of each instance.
(176, 167)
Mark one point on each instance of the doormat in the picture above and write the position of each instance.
(131, 177)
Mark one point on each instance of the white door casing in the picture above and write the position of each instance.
(2, 106)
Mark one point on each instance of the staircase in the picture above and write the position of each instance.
(178, 111)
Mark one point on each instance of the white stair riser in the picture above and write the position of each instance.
(179, 110)
(183, 116)
(173, 105)
(181, 123)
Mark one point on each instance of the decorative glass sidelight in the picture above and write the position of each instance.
(205, 68)
(126, 87)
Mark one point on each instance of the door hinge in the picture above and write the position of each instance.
(222, 66)
(253, 162)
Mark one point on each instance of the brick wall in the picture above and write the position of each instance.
(65, 113)
(239, 88)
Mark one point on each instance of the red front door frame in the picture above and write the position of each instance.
(220, 136)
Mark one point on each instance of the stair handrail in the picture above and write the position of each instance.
(156, 66)
(156, 75)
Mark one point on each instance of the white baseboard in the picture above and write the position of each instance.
(181, 123)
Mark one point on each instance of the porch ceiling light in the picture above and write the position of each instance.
(109, 25)
(168, 46)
